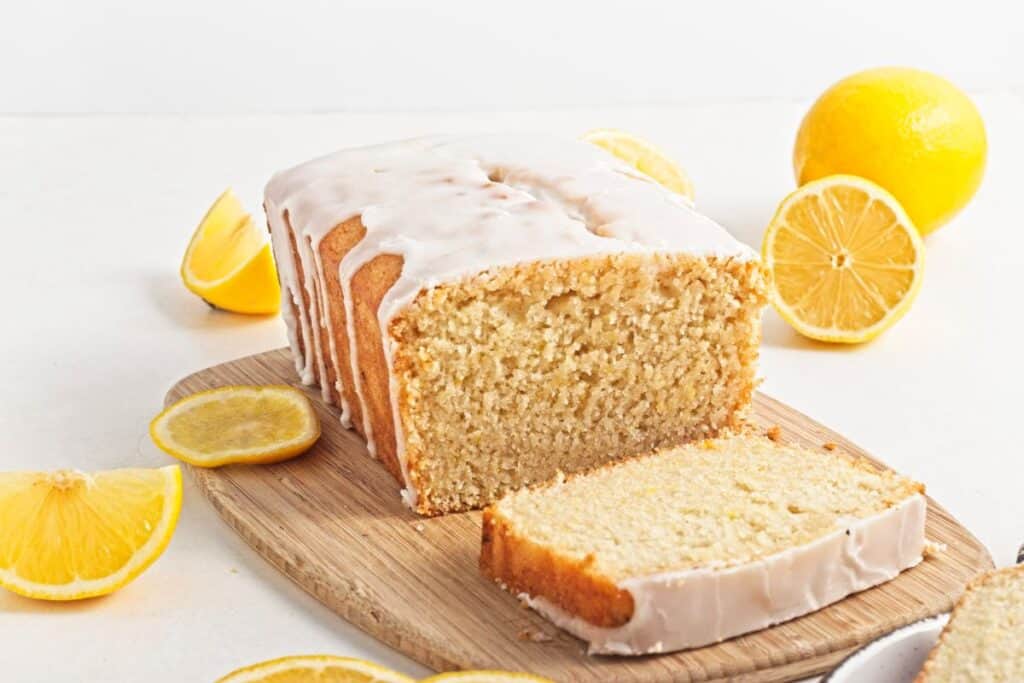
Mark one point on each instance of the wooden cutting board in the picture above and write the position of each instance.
(332, 521)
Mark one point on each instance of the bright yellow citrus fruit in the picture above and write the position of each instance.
(315, 669)
(485, 677)
(67, 535)
(910, 131)
(845, 260)
(644, 157)
(237, 424)
(229, 262)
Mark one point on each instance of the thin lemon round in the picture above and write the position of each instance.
(68, 535)
(485, 677)
(644, 157)
(229, 262)
(315, 669)
(912, 132)
(845, 260)
(237, 424)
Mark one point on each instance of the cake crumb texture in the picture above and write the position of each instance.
(508, 378)
(984, 639)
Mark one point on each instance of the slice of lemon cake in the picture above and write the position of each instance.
(489, 311)
(701, 543)
(984, 639)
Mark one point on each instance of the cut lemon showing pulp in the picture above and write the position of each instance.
(229, 263)
(237, 424)
(846, 261)
(644, 157)
(315, 669)
(67, 535)
(485, 677)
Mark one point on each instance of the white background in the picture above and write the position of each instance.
(182, 99)
(195, 56)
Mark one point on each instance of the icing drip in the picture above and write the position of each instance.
(455, 207)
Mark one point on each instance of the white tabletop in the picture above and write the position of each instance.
(98, 211)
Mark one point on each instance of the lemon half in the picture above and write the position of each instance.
(845, 260)
(315, 669)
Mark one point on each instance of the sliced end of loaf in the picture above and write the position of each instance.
(511, 376)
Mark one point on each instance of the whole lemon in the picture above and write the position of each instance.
(910, 131)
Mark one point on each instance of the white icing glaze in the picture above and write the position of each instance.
(456, 207)
(696, 607)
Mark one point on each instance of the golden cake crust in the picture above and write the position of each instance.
(525, 567)
(520, 565)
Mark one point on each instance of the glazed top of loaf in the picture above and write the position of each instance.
(457, 206)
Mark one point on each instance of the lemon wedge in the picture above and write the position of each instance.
(229, 262)
(845, 260)
(67, 535)
(644, 157)
(315, 669)
(237, 424)
(485, 677)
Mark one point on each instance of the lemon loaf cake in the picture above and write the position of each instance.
(984, 639)
(488, 311)
(701, 543)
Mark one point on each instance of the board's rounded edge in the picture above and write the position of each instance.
(351, 607)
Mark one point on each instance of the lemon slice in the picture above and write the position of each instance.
(644, 157)
(229, 263)
(67, 535)
(315, 669)
(845, 259)
(485, 677)
(237, 424)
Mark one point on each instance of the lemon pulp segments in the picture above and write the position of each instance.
(237, 424)
(846, 261)
(315, 669)
(67, 535)
(644, 157)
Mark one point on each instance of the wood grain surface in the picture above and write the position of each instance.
(333, 522)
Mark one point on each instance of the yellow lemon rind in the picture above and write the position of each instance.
(254, 456)
(252, 287)
(140, 561)
(297, 663)
(833, 335)
(671, 175)
(910, 131)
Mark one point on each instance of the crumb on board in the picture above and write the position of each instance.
(534, 636)
(830, 445)
(933, 548)
(233, 570)
(420, 527)
(774, 433)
